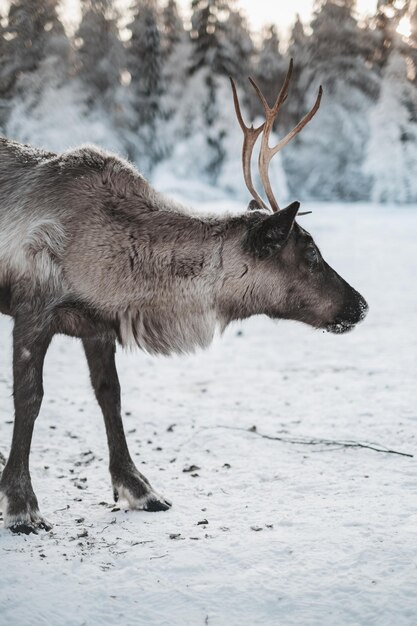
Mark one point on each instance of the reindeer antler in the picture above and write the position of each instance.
(250, 135)
(266, 152)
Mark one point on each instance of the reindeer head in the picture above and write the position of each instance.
(288, 276)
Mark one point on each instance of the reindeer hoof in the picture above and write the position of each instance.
(23, 529)
(140, 496)
(132, 488)
(157, 503)
(27, 524)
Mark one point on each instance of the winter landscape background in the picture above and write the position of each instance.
(272, 523)
(141, 79)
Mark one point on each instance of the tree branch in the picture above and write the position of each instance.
(304, 441)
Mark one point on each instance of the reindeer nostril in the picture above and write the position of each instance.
(360, 308)
(363, 308)
(351, 314)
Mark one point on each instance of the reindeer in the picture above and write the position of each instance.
(89, 249)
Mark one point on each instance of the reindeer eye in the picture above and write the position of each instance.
(312, 256)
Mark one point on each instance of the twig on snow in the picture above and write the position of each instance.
(158, 557)
(305, 441)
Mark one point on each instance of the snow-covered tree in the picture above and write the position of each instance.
(271, 67)
(172, 27)
(210, 61)
(33, 33)
(391, 157)
(145, 63)
(208, 138)
(239, 42)
(385, 23)
(35, 61)
(338, 48)
(298, 51)
(325, 160)
(164, 97)
(298, 38)
(176, 49)
(412, 42)
(100, 52)
(211, 46)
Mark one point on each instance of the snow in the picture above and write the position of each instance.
(295, 534)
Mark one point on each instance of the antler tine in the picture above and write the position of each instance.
(300, 124)
(261, 96)
(250, 135)
(266, 153)
(270, 114)
(283, 94)
(237, 105)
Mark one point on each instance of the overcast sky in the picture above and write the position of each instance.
(283, 12)
(260, 12)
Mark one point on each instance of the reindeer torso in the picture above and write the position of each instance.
(84, 234)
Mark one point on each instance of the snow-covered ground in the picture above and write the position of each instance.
(293, 534)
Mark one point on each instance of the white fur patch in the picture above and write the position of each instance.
(167, 332)
(125, 495)
(29, 245)
(24, 519)
(126, 330)
(32, 519)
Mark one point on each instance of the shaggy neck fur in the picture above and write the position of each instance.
(188, 291)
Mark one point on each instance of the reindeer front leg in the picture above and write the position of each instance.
(31, 339)
(128, 483)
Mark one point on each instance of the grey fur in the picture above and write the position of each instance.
(88, 248)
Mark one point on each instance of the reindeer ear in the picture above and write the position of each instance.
(272, 233)
(254, 206)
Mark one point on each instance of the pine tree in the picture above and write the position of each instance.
(175, 45)
(145, 63)
(270, 69)
(239, 42)
(338, 47)
(326, 159)
(33, 32)
(384, 35)
(412, 43)
(211, 48)
(298, 51)
(172, 27)
(298, 37)
(210, 60)
(392, 150)
(100, 51)
(214, 135)
(176, 53)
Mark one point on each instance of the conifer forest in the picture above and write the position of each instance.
(153, 85)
